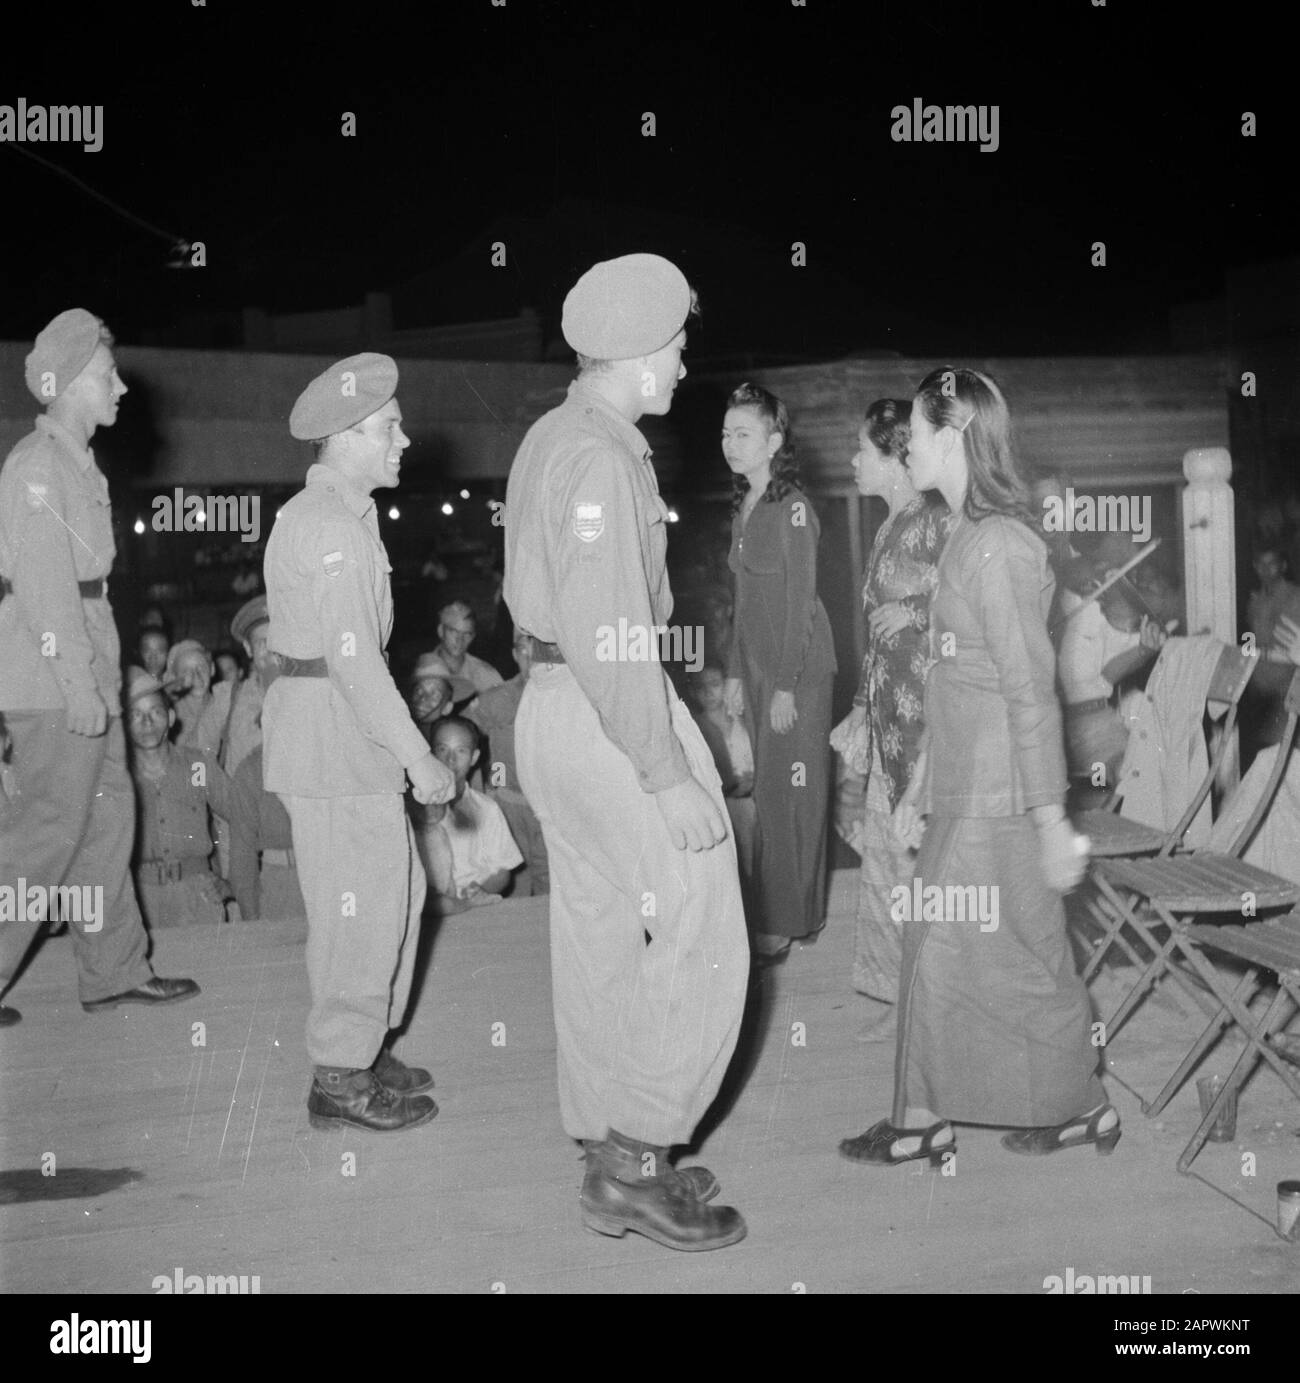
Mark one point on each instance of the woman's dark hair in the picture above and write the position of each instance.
(785, 469)
(973, 403)
(889, 426)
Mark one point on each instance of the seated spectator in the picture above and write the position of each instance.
(175, 880)
(729, 742)
(230, 724)
(263, 870)
(229, 669)
(452, 658)
(465, 845)
(188, 682)
(152, 647)
(1275, 597)
(494, 713)
(246, 580)
(1275, 600)
(429, 695)
(1104, 643)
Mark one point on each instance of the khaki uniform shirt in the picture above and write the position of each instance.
(327, 588)
(56, 529)
(586, 541)
(232, 733)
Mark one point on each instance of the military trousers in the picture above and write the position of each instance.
(71, 824)
(644, 1030)
(363, 886)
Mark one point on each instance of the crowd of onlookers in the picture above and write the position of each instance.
(212, 844)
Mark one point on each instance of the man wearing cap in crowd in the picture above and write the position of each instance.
(338, 745)
(72, 818)
(231, 724)
(175, 881)
(430, 693)
(620, 777)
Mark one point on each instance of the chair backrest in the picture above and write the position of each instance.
(1229, 680)
(1292, 704)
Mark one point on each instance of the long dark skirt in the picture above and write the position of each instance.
(994, 1025)
(792, 788)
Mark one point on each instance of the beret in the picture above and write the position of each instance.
(343, 395)
(62, 350)
(622, 308)
(140, 683)
(249, 614)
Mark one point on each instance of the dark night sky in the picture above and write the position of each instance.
(522, 123)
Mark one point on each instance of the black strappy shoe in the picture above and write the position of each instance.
(1074, 1134)
(877, 1146)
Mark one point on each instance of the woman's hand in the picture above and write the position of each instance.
(1064, 855)
(850, 739)
(886, 620)
(733, 696)
(783, 712)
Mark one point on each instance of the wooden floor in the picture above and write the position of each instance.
(219, 1172)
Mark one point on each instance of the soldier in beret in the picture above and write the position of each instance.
(339, 744)
(72, 818)
(620, 777)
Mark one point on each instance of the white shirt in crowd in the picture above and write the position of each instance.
(480, 840)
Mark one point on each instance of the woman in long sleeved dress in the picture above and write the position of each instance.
(783, 657)
(881, 735)
(994, 1021)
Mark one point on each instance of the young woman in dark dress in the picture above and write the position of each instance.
(782, 667)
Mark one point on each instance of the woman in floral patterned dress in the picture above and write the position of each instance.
(881, 734)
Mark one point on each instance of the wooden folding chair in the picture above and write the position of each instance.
(1272, 945)
(1113, 837)
(1171, 889)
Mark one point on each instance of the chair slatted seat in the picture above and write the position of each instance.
(1201, 882)
(1110, 834)
(1273, 944)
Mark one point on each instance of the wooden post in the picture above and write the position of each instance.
(1209, 549)
(1209, 557)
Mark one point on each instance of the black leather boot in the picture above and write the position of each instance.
(399, 1077)
(699, 1181)
(359, 1099)
(632, 1185)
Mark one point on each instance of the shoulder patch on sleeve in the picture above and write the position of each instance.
(36, 493)
(588, 521)
(333, 563)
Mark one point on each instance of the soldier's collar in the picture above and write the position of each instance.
(360, 503)
(628, 432)
(58, 433)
